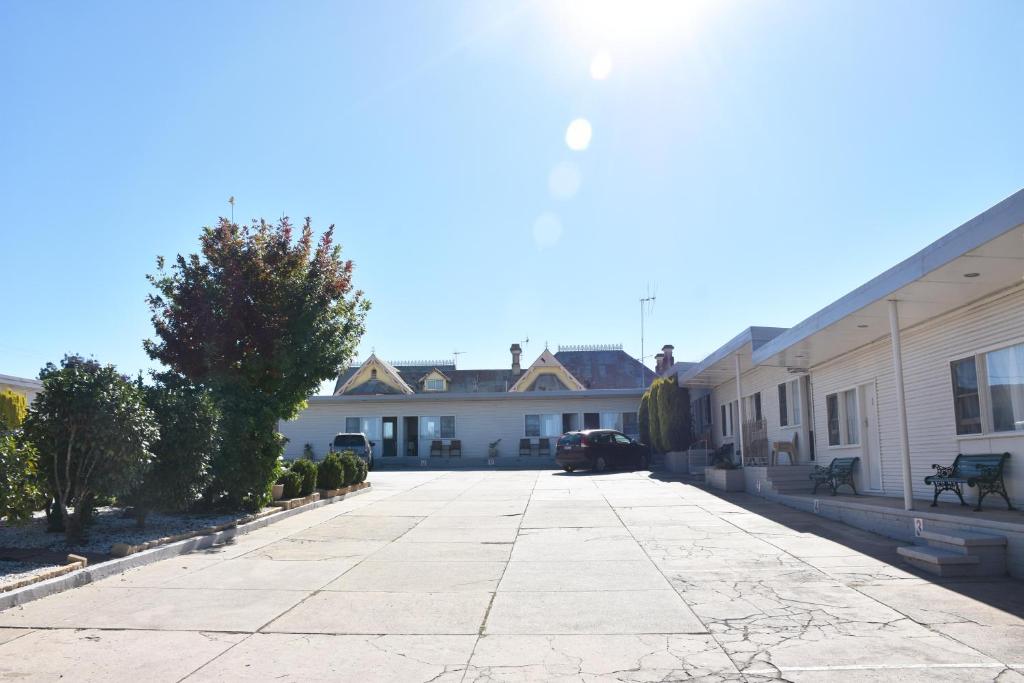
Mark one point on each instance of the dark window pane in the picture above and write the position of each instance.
(591, 420)
(533, 425)
(832, 408)
(966, 406)
(783, 415)
(448, 427)
(757, 406)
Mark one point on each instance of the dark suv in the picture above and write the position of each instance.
(357, 443)
(599, 450)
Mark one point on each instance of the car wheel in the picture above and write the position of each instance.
(600, 464)
(568, 468)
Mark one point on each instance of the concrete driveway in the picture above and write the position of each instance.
(521, 576)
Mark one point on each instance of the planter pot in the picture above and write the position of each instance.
(724, 480)
(277, 491)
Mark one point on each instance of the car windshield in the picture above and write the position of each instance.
(348, 440)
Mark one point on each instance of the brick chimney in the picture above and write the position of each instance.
(669, 361)
(659, 363)
(516, 352)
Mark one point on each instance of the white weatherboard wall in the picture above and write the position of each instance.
(764, 379)
(477, 421)
(928, 349)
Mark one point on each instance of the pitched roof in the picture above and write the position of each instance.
(595, 369)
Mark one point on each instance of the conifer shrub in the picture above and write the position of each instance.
(307, 470)
(331, 472)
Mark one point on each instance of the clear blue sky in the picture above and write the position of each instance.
(750, 161)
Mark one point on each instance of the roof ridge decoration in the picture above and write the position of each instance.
(392, 378)
(546, 363)
(571, 348)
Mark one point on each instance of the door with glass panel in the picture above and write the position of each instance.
(389, 437)
(870, 445)
(412, 436)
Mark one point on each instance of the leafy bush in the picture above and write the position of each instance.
(307, 470)
(362, 469)
(20, 493)
(654, 423)
(331, 472)
(292, 484)
(307, 452)
(669, 415)
(187, 419)
(643, 418)
(93, 432)
(350, 461)
(13, 407)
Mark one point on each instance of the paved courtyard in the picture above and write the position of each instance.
(522, 576)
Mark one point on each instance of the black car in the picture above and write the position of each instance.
(357, 443)
(600, 450)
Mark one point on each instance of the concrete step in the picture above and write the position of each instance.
(794, 487)
(940, 562)
(965, 539)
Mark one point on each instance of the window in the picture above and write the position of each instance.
(367, 425)
(724, 432)
(434, 385)
(966, 400)
(843, 418)
(611, 421)
(546, 424)
(591, 421)
(988, 391)
(757, 406)
(752, 406)
(729, 418)
(352, 425)
(1005, 377)
(630, 425)
(570, 422)
(789, 404)
(438, 427)
(620, 439)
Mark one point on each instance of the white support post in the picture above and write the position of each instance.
(738, 434)
(901, 404)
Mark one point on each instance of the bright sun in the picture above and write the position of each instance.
(627, 22)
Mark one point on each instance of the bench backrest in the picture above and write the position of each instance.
(843, 463)
(979, 464)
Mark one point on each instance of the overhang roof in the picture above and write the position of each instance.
(928, 284)
(475, 396)
(719, 367)
(26, 382)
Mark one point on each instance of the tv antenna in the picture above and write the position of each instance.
(646, 306)
(455, 355)
(231, 201)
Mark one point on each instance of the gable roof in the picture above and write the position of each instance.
(610, 369)
(546, 363)
(391, 383)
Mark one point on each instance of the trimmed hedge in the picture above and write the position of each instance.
(350, 461)
(643, 417)
(331, 472)
(13, 407)
(292, 484)
(307, 470)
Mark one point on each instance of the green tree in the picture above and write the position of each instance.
(654, 421)
(93, 432)
(20, 493)
(643, 418)
(187, 419)
(261, 319)
(13, 408)
(672, 405)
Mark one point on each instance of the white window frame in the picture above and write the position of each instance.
(541, 422)
(433, 384)
(792, 389)
(844, 437)
(984, 392)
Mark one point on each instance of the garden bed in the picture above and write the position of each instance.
(28, 550)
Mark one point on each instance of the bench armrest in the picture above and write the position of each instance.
(943, 471)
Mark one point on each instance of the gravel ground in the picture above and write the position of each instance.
(108, 528)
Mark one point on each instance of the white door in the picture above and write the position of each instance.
(871, 456)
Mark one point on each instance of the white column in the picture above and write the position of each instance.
(901, 404)
(738, 434)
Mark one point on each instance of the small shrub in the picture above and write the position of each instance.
(20, 493)
(307, 452)
(292, 484)
(350, 461)
(331, 472)
(13, 407)
(307, 470)
(364, 469)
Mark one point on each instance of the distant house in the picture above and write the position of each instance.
(22, 385)
(433, 410)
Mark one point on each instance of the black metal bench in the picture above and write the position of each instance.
(838, 473)
(984, 470)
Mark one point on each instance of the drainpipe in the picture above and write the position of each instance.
(738, 434)
(901, 404)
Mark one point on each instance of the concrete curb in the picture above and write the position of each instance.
(81, 577)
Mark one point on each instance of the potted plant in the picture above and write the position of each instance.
(724, 475)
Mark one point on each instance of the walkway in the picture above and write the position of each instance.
(521, 576)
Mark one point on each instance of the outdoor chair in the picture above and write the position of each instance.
(455, 449)
(984, 470)
(838, 473)
(790, 448)
(544, 447)
(525, 448)
(435, 449)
